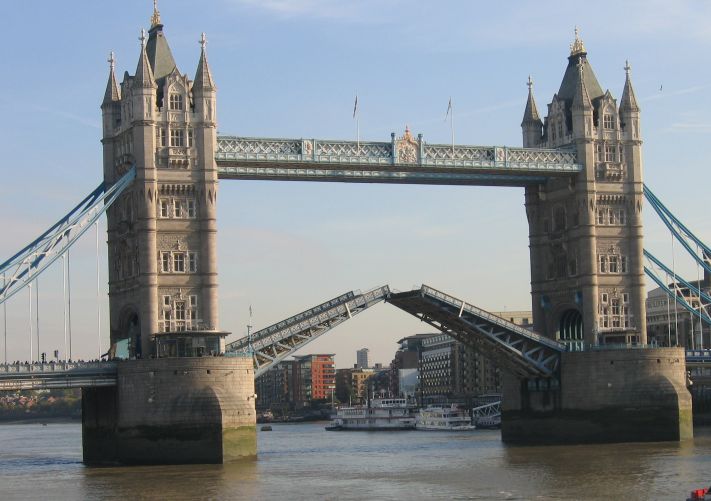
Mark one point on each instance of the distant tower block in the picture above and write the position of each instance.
(362, 358)
(587, 275)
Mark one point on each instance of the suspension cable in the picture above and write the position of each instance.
(39, 357)
(4, 316)
(98, 294)
(69, 306)
(29, 289)
(64, 301)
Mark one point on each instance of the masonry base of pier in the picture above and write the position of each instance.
(632, 395)
(172, 411)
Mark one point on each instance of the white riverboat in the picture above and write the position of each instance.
(437, 417)
(379, 414)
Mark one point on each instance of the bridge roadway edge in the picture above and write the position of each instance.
(605, 396)
(172, 411)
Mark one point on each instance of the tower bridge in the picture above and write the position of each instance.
(580, 167)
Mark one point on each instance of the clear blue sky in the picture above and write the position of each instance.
(291, 68)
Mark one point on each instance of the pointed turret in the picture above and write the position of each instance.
(531, 125)
(573, 75)
(144, 73)
(112, 93)
(203, 76)
(629, 100)
(581, 98)
(159, 55)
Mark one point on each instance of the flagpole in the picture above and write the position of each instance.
(451, 127)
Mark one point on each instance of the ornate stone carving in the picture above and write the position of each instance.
(407, 148)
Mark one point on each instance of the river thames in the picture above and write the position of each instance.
(303, 461)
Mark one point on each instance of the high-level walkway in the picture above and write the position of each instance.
(405, 161)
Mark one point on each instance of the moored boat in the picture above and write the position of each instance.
(380, 414)
(444, 418)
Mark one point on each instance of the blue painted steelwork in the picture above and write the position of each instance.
(37, 256)
(679, 299)
(682, 233)
(273, 344)
(523, 352)
(403, 160)
(44, 376)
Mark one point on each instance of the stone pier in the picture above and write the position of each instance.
(172, 411)
(628, 395)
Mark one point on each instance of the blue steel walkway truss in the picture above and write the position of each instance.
(519, 350)
(407, 161)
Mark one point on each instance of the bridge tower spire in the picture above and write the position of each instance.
(587, 277)
(531, 124)
(162, 232)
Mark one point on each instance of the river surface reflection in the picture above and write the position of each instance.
(303, 461)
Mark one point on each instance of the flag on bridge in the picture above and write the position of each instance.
(449, 109)
(355, 106)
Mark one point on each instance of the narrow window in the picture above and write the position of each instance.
(160, 136)
(609, 153)
(603, 298)
(166, 300)
(623, 265)
(613, 264)
(193, 301)
(622, 216)
(607, 121)
(190, 138)
(560, 130)
(165, 262)
(625, 297)
(177, 208)
(164, 208)
(601, 216)
(192, 262)
(179, 262)
(192, 210)
(603, 263)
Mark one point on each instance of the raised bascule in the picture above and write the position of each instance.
(584, 374)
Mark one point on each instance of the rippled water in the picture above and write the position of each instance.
(303, 461)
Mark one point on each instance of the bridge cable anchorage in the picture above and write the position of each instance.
(524, 352)
(38, 255)
(274, 343)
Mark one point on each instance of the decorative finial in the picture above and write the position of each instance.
(112, 60)
(529, 83)
(577, 47)
(155, 18)
(627, 67)
(142, 38)
(203, 40)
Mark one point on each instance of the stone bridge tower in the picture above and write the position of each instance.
(162, 231)
(587, 276)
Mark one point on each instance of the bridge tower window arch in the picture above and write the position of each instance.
(570, 329)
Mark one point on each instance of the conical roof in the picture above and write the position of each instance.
(530, 114)
(159, 55)
(144, 73)
(572, 76)
(203, 76)
(629, 100)
(112, 92)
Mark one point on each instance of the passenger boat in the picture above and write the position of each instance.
(437, 417)
(379, 414)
